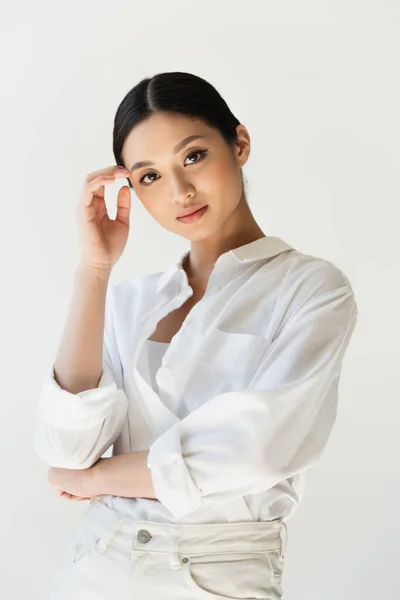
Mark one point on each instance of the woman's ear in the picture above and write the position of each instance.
(242, 145)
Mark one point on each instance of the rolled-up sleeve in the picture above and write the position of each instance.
(74, 430)
(241, 443)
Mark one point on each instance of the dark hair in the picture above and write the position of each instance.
(177, 92)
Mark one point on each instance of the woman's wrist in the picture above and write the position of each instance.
(125, 475)
(98, 478)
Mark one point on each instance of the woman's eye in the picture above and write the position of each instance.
(202, 153)
(142, 178)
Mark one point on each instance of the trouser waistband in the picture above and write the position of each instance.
(176, 538)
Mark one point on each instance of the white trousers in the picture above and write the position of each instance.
(110, 557)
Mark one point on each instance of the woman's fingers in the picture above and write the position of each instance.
(102, 239)
(69, 496)
(95, 181)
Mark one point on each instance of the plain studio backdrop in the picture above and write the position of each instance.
(317, 84)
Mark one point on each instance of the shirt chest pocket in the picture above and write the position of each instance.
(234, 353)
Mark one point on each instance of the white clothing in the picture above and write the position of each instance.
(153, 353)
(247, 389)
(110, 557)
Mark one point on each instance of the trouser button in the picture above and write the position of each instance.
(143, 536)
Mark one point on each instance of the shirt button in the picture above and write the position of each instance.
(144, 536)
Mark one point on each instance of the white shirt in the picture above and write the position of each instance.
(154, 352)
(247, 389)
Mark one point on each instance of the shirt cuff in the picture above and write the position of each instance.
(84, 410)
(173, 484)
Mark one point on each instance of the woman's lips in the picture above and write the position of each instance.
(194, 216)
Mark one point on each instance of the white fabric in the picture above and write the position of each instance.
(247, 389)
(152, 355)
(108, 557)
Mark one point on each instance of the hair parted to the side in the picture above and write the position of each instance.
(177, 92)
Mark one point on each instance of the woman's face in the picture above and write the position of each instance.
(203, 171)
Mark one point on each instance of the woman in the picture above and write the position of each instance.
(215, 381)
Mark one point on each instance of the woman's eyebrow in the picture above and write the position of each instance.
(179, 146)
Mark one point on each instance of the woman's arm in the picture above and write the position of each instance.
(81, 410)
(123, 475)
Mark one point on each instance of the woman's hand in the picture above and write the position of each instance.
(70, 496)
(74, 484)
(125, 475)
(102, 239)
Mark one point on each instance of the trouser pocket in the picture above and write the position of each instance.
(233, 575)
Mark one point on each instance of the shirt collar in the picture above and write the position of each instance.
(265, 247)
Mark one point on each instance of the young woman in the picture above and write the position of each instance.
(215, 381)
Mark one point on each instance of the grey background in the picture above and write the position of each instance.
(317, 85)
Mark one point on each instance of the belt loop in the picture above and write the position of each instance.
(104, 542)
(174, 551)
(283, 528)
